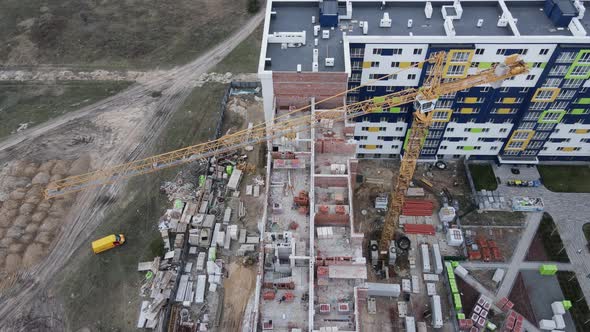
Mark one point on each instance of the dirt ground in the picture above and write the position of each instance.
(536, 251)
(114, 33)
(485, 278)
(238, 288)
(494, 218)
(27, 104)
(114, 130)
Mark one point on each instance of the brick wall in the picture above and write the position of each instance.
(295, 89)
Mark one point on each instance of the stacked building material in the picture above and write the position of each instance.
(415, 207)
(419, 229)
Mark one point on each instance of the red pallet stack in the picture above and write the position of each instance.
(418, 208)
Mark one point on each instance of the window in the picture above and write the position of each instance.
(580, 71)
(493, 148)
(443, 147)
(371, 88)
(538, 106)
(397, 51)
(566, 94)
(455, 70)
(535, 145)
(377, 51)
(544, 51)
(437, 125)
(355, 77)
(504, 89)
(374, 64)
(450, 129)
(560, 105)
(357, 52)
(352, 99)
(526, 125)
(356, 65)
(448, 96)
(524, 90)
(479, 51)
(376, 76)
(441, 115)
(540, 136)
(532, 116)
(389, 88)
(573, 83)
(558, 70)
(584, 57)
(428, 151)
(530, 77)
(501, 51)
(503, 130)
(544, 95)
(552, 83)
(361, 138)
(394, 64)
(565, 57)
(399, 128)
(411, 76)
(515, 145)
(460, 56)
(417, 51)
(537, 64)
(485, 89)
(430, 143)
(552, 116)
(545, 126)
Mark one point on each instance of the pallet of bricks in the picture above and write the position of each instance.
(478, 320)
(487, 250)
(514, 320)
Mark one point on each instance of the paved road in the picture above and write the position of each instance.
(474, 265)
(570, 211)
(532, 223)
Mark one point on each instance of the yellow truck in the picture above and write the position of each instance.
(108, 242)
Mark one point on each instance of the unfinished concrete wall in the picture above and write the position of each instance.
(334, 145)
(295, 89)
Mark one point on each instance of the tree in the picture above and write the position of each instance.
(253, 6)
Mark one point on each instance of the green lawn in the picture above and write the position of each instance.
(573, 292)
(483, 176)
(115, 34)
(567, 178)
(101, 291)
(244, 58)
(32, 104)
(551, 240)
(586, 229)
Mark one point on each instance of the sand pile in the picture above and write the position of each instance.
(28, 223)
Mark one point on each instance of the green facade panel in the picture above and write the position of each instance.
(578, 111)
(545, 114)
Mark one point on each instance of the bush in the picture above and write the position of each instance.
(157, 247)
(253, 6)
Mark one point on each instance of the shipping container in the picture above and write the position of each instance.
(547, 324)
(380, 289)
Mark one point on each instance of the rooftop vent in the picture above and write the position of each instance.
(385, 21)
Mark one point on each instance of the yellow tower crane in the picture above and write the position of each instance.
(424, 99)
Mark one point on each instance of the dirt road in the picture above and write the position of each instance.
(135, 119)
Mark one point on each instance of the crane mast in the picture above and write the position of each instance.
(424, 99)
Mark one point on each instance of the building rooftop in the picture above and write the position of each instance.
(296, 17)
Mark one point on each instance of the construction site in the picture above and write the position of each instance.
(324, 196)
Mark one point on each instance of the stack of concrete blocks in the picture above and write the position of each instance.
(490, 201)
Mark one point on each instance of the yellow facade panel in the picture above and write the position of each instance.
(466, 110)
(504, 110)
(471, 100)
(568, 149)
(367, 64)
(370, 147)
(582, 131)
(373, 129)
(509, 100)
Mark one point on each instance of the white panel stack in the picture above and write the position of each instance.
(201, 261)
(415, 285)
(425, 258)
(547, 325)
(558, 308)
(410, 324)
(437, 321)
(559, 322)
(200, 290)
(438, 265)
(461, 271)
(406, 285)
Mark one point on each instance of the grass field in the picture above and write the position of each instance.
(483, 176)
(33, 104)
(244, 58)
(572, 291)
(114, 34)
(101, 291)
(551, 240)
(567, 178)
